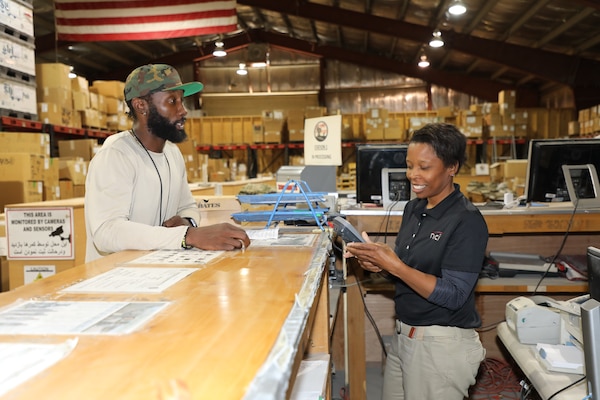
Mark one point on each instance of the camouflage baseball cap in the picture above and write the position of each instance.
(153, 78)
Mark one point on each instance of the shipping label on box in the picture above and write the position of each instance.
(17, 96)
(19, 56)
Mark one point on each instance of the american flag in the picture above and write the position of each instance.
(107, 20)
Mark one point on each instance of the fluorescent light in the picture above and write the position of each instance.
(219, 50)
(258, 64)
(457, 8)
(436, 39)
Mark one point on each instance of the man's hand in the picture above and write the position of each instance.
(222, 236)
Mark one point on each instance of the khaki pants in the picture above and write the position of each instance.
(431, 362)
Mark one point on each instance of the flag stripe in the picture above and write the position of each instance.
(149, 19)
(101, 20)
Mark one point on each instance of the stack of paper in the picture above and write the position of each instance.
(561, 358)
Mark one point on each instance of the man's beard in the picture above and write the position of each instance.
(163, 128)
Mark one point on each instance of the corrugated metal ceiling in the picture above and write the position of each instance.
(531, 46)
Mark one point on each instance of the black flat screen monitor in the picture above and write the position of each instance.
(370, 159)
(545, 181)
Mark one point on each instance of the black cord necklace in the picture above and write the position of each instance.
(160, 213)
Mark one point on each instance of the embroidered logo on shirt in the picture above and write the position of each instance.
(435, 236)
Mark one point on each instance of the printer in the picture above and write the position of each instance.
(533, 323)
(533, 319)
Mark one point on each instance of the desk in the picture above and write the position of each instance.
(228, 324)
(545, 383)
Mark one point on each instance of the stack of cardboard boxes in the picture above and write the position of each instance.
(503, 119)
(72, 102)
(24, 164)
(54, 95)
(75, 156)
(29, 174)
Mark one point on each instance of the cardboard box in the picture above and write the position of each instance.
(66, 189)
(25, 142)
(515, 169)
(53, 75)
(79, 148)
(80, 84)
(58, 95)
(90, 118)
(394, 130)
(55, 114)
(110, 88)
(508, 97)
(24, 272)
(74, 170)
(216, 209)
(16, 192)
(78, 191)
(21, 167)
(81, 101)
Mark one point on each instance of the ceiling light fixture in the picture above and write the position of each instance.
(242, 70)
(219, 49)
(259, 64)
(436, 39)
(457, 8)
(423, 62)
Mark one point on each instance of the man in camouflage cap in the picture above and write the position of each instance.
(151, 78)
(137, 194)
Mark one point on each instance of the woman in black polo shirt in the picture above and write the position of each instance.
(440, 248)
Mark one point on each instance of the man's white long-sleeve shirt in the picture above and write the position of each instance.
(124, 209)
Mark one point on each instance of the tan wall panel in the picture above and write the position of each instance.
(214, 105)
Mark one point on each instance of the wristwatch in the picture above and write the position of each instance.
(193, 223)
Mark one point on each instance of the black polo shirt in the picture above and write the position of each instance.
(453, 235)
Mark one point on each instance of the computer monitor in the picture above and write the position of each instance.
(590, 324)
(593, 272)
(545, 181)
(582, 185)
(370, 160)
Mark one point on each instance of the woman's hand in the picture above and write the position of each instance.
(373, 257)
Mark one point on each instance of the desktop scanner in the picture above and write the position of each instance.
(532, 323)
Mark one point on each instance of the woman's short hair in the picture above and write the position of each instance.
(447, 141)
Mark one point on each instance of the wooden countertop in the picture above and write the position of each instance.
(210, 342)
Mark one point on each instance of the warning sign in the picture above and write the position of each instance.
(40, 233)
